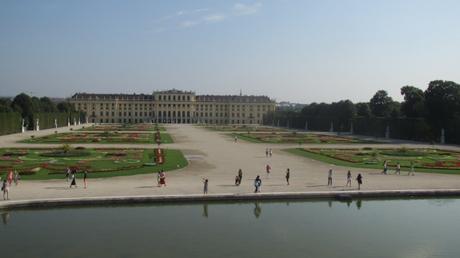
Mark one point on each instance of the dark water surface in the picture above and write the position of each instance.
(370, 228)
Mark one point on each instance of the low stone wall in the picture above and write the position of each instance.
(126, 200)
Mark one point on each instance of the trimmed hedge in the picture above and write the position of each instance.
(10, 123)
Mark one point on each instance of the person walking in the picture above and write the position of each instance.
(349, 178)
(270, 152)
(237, 180)
(267, 169)
(412, 169)
(236, 139)
(385, 167)
(17, 177)
(266, 152)
(257, 184)
(359, 178)
(205, 186)
(10, 177)
(288, 175)
(73, 178)
(5, 189)
(162, 178)
(240, 175)
(329, 177)
(67, 174)
(85, 177)
(398, 169)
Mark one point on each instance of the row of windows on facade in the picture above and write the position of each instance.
(199, 107)
(173, 97)
(173, 114)
(140, 120)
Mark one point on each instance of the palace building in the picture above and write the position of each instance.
(173, 106)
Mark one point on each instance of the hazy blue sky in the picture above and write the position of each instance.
(301, 51)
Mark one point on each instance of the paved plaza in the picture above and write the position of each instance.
(215, 155)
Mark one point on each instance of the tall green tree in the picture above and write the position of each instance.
(46, 105)
(65, 107)
(380, 104)
(22, 103)
(362, 109)
(414, 102)
(442, 101)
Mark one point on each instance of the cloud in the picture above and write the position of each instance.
(214, 18)
(246, 9)
(193, 17)
(188, 24)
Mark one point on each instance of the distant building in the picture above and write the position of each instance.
(173, 106)
(285, 106)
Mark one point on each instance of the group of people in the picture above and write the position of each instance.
(71, 176)
(8, 181)
(268, 152)
(411, 172)
(359, 179)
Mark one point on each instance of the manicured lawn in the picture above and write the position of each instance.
(294, 137)
(243, 128)
(100, 137)
(424, 160)
(52, 164)
(123, 127)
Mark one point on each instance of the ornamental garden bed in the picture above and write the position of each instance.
(39, 164)
(295, 137)
(244, 128)
(423, 159)
(124, 127)
(100, 137)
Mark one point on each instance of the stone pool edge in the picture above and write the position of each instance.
(191, 198)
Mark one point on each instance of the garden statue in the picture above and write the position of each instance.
(387, 132)
(23, 127)
(443, 136)
(37, 127)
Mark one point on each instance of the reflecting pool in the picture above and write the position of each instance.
(368, 228)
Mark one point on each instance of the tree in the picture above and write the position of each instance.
(343, 111)
(414, 102)
(46, 105)
(362, 109)
(442, 101)
(22, 103)
(65, 107)
(380, 104)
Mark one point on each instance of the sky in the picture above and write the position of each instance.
(299, 51)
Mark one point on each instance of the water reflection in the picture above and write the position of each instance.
(5, 218)
(358, 204)
(205, 210)
(257, 210)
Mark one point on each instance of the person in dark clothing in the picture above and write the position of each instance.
(257, 184)
(359, 178)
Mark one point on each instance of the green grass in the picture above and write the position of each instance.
(99, 163)
(378, 165)
(296, 138)
(100, 137)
